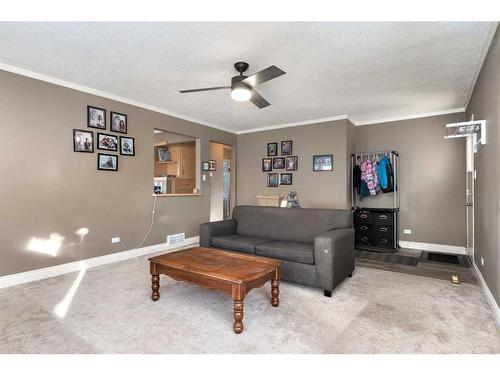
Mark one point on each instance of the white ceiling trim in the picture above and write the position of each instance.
(484, 52)
(107, 95)
(291, 124)
(89, 90)
(409, 117)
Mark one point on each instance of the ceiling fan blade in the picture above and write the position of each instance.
(205, 89)
(258, 100)
(264, 75)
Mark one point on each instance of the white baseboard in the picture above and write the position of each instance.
(489, 297)
(44, 273)
(434, 247)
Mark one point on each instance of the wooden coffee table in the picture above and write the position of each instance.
(230, 272)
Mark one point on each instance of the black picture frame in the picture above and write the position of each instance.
(319, 166)
(291, 163)
(99, 164)
(273, 179)
(267, 164)
(117, 116)
(287, 180)
(205, 165)
(103, 135)
(272, 149)
(91, 122)
(79, 146)
(286, 148)
(125, 152)
(279, 163)
(212, 165)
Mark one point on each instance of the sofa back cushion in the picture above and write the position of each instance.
(289, 224)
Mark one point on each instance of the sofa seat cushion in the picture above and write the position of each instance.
(238, 242)
(287, 250)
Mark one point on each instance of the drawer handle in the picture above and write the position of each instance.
(383, 240)
(363, 216)
(383, 217)
(364, 238)
(382, 229)
(364, 227)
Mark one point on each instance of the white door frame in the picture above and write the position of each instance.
(469, 194)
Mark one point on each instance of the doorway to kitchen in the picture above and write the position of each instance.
(221, 181)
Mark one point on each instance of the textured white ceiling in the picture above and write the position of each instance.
(365, 70)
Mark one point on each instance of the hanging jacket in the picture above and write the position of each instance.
(363, 190)
(382, 172)
(356, 179)
(368, 176)
(390, 179)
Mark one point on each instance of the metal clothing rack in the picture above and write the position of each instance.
(394, 159)
(370, 220)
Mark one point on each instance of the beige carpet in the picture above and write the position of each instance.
(373, 312)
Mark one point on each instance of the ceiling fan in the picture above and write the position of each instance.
(242, 87)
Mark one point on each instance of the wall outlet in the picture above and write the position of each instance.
(482, 261)
(115, 240)
(407, 231)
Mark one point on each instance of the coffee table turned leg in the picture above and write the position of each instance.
(238, 316)
(275, 290)
(155, 283)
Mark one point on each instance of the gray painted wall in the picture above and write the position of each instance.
(315, 189)
(47, 188)
(485, 105)
(432, 176)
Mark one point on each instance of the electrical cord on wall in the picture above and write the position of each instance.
(149, 230)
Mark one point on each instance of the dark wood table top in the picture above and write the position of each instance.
(218, 264)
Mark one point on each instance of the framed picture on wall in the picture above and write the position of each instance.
(272, 180)
(163, 154)
(127, 146)
(83, 141)
(212, 165)
(107, 162)
(323, 163)
(96, 117)
(272, 149)
(107, 142)
(118, 122)
(267, 164)
(279, 163)
(285, 179)
(286, 148)
(291, 163)
(205, 166)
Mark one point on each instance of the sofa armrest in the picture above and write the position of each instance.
(334, 256)
(216, 228)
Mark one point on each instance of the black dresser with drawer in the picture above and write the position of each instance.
(376, 229)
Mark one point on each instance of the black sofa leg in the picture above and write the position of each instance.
(350, 275)
(328, 293)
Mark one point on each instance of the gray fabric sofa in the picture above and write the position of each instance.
(315, 245)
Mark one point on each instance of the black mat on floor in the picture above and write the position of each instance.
(452, 259)
(389, 258)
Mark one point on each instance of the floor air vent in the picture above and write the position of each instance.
(176, 238)
(451, 259)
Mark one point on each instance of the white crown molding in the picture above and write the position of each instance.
(44, 273)
(434, 247)
(482, 57)
(89, 90)
(409, 117)
(292, 124)
(489, 297)
(107, 95)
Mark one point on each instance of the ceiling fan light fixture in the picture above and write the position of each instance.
(241, 93)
